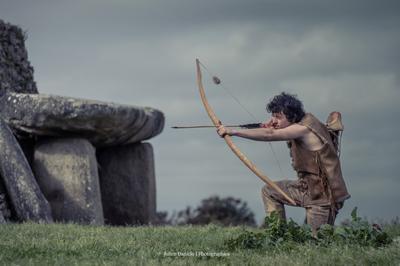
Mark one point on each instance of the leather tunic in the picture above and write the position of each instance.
(318, 171)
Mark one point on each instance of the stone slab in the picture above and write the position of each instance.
(103, 124)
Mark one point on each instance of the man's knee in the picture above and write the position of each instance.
(271, 204)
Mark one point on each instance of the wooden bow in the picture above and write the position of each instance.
(229, 141)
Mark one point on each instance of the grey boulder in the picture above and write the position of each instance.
(25, 195)
(103, 124)
(4, 203)
(66, 170)
(16, 72)
(127, 183)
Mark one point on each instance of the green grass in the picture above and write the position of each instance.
(69, 244)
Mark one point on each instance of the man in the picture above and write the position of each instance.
(320, 187)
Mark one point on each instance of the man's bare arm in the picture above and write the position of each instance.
(267, 134)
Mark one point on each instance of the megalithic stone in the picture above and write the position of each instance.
(4, 209)
(66, 170)
(26, 198)
(16, 71)
(2, 220)
(103, 124)
(127, 182)
(4, 202)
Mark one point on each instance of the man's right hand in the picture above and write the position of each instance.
(268, 124)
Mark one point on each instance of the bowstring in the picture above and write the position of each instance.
(247, 111)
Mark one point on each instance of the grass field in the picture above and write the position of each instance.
(69, 244)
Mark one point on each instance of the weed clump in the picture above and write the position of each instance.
(286, 234)
(357, 232)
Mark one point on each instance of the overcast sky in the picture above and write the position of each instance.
(335, 55)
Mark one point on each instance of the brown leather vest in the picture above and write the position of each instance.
(320, 169)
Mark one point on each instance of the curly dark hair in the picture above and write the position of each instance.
(287, 104)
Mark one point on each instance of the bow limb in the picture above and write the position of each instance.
(229, 141)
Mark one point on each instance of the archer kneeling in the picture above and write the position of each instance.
(314, 149)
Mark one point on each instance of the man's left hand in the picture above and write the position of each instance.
(222, 131)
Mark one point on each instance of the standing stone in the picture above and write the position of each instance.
(26, 198)
(2, 220)
(127, 183)
(66, 170)
(16, 73)
(4, 203)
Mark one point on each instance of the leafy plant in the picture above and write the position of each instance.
(278, 233)
(281, 234)
(357, 232)
(247, 240)
(278, 230)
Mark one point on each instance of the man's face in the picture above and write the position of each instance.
(279, 120)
